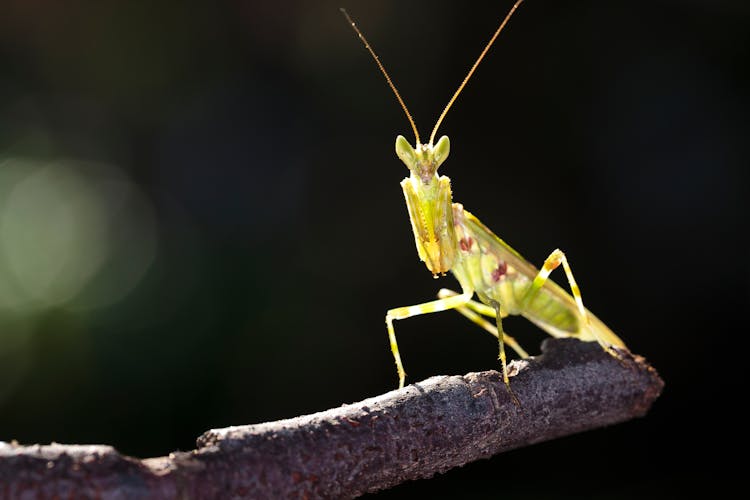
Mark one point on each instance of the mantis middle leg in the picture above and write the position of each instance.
(472, 311)
(408, 311)
(468, 310)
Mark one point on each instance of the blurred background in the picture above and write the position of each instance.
(201, 223)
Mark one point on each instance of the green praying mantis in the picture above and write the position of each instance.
(449, 238)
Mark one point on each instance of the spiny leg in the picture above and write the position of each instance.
(472, 311)
(416, 310)
(551, 263)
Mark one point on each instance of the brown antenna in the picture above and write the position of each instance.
(471, 71)
(385, 74)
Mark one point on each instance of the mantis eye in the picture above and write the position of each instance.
(406, 152)
(441, 150)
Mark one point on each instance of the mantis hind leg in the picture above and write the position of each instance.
(472, 311)
(442, 304)
(551, 263)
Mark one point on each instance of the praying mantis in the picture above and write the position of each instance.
(450, 239)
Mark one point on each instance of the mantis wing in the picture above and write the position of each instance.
(498, 271)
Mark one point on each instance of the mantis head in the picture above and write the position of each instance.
(423, 161)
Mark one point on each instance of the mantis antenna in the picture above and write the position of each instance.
(473, 68)
(460, 87)
(385, 74)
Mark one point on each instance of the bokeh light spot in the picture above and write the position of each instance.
(66, 225)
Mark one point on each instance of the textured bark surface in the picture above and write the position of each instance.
(425, 428)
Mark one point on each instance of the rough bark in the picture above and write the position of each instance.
(423, 429)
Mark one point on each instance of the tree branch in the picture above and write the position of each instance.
(425, 428)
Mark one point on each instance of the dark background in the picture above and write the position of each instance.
(201, 223)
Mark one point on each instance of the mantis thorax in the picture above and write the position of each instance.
(429, 200)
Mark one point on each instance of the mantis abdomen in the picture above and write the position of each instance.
(499, 275)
